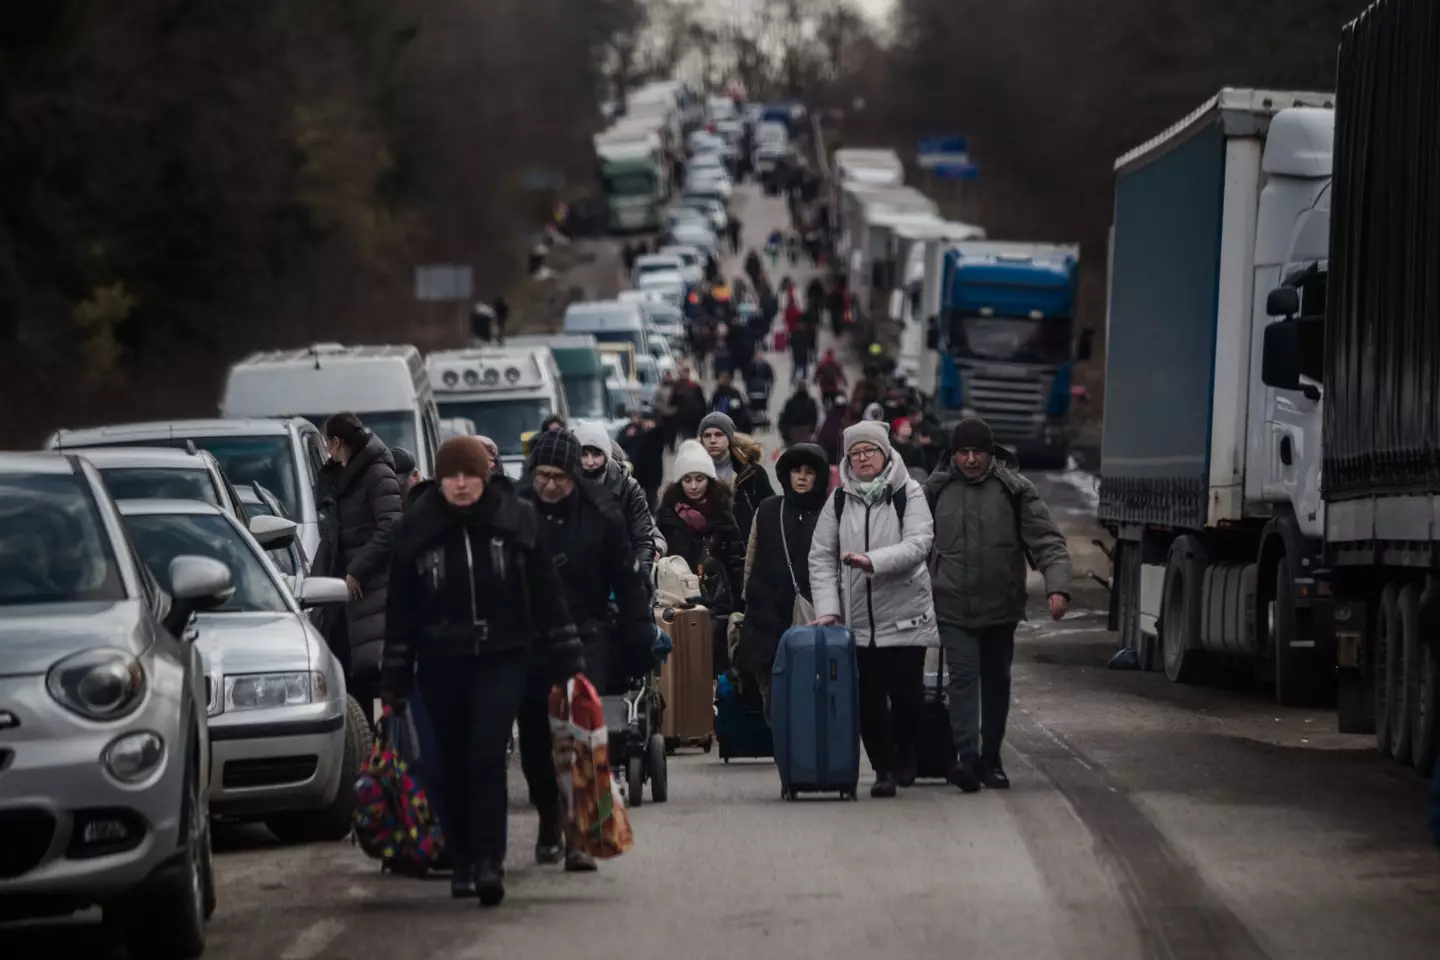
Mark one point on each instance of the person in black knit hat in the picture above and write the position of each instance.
(473, 596)
(583, 527)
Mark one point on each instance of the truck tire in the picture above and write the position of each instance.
(1300, 681)
(1407, 676)
(1387, 667)
(1180, 610)
(1426, 729)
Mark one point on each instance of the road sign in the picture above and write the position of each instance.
(942, 152)
(960, 171)
(444, 282)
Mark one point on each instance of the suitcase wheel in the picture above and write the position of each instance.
(709, 741)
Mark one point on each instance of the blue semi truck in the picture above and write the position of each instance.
(1007, 345)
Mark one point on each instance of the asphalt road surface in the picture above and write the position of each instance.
(1146, 821)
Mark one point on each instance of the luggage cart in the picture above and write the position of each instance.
(637, 748)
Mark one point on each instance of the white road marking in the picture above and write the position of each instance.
(314, 939)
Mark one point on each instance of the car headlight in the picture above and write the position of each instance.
(102, 684)
(263, 691)
(135, 756)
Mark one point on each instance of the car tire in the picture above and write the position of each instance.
(332, 822)
(165, 917)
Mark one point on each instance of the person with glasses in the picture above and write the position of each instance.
(868, 571)
(585, 531)
(989, 522)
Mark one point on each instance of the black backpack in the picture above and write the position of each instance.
(898, 499)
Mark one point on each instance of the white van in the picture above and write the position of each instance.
(384, 385)
(506, 392)
(609, 321)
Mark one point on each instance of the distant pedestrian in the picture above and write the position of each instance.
(733, 230)
(502, 314)
(482, 322)
(989, 520)
(792, 243)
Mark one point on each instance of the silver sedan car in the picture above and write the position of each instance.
(104, 749)
(286, 741)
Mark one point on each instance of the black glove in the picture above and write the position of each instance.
(567, 658)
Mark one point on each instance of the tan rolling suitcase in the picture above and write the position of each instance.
(686, 681)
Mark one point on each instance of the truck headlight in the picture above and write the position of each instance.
(263, 691)
(101, 684)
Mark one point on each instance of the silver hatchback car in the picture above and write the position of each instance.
(104, 745)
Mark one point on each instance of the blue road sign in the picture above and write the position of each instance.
(961, 171)
(942, 152)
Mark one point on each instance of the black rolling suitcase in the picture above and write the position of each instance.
(935, 752)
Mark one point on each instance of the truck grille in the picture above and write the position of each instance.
(1009, 398)
(25, 837)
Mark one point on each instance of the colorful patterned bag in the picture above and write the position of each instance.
(393, 820)
(595, 817)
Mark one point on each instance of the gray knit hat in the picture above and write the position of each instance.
(720, 421)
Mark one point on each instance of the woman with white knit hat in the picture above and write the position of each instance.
(868, 571)
(697, 520)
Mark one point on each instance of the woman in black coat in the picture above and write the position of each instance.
(697, 520)
(777, 560)
(473, 594)
(359, 497)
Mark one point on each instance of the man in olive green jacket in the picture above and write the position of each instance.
(989, 521)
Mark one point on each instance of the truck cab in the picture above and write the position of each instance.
(634, 177)
(1007, 343)
(505, 391)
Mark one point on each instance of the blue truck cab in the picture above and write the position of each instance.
(1007, 343)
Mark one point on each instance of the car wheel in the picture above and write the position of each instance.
(165, 917)
(332, 822)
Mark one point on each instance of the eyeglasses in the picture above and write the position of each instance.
(864, 453)
(552, 479)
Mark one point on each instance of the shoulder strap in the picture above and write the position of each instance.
(839, 502)
(898, 499)
(1016, 507)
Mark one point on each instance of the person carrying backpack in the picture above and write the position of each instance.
(868, 571)
(989, 521)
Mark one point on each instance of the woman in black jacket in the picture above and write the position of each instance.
(697, 520)
(472, 592)
(777, 560)
(360, 503)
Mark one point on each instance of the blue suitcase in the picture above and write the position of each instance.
(740, 727)
(815, 712)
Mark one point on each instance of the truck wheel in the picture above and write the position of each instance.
(1387, 668)
(1406, 689)
(1180, 610)
(1299, 680)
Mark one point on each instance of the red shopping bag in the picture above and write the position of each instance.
(595, 817)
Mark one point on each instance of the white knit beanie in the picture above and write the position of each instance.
(592, 433)
(693, 458)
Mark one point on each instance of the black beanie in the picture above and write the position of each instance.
(974, 433)
(556, 448)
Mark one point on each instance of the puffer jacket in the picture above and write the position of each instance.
(891, 607)
(752, 483)
(359, 506)
(720, 538)
(645, 538)
(980, 544)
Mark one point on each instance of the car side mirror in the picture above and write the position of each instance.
(1085, 346)
(1280, 356)
(273, 533)
(322, 591)
(196, 583)
(1282, 302)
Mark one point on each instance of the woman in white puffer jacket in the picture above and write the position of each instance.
(868, 570)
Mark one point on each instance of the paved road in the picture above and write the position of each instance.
(1146, 821)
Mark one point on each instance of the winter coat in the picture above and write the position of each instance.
(752, 483)
(359, 505)
(720, 538)
(630, 496)
(690, 404)
(646, 450)
(980, 545)
(891, 607)
(731, 402)
(588, 539)
(472, 584)
(769, 583)
(832, 430)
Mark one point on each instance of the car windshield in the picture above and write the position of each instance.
(396, 428)
(268, 461)
(161, 483)
(638, 183)
(161, 538)
(661, 278)
(501, 420)
(52, 545)
(586, 397)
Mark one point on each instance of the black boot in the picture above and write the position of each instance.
(907, 770)
(883, 787)
(578, 861)
(964, 775)
(462, 880)
(550, 843)
(490, 882)
(992, 774)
